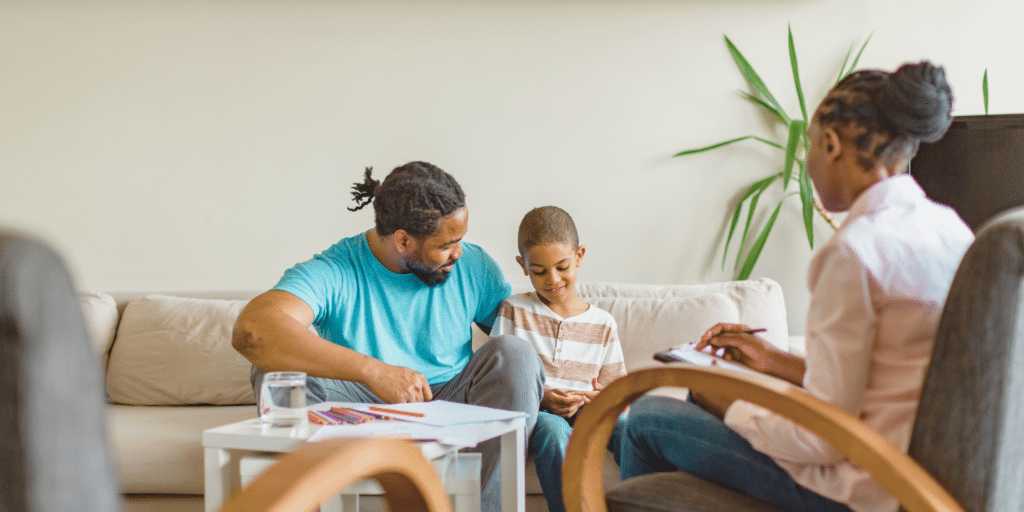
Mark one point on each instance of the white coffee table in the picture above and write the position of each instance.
(226, 446)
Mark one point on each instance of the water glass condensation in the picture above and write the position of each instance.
(283, 399)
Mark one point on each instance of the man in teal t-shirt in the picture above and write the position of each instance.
(393, 309)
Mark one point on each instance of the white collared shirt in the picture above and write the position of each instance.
(877, 290)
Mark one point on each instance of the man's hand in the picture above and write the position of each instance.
(398, 384)
(563, 402)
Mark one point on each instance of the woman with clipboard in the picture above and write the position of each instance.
(877, 291)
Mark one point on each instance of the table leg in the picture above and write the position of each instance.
(513, 462)
(221, 476)
(337, 503)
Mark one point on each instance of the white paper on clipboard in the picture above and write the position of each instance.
(689, 354)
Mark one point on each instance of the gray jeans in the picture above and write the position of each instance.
(505, 373)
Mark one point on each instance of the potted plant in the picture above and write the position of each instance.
(793, 157)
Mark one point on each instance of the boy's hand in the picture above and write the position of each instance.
(563, 402)
(588, 395)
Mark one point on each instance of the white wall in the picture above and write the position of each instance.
(204, 144)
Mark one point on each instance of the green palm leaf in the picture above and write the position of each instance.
(726, 143)
(755, 250)
(752, 208)
(713, 146)
(796, 134)
(753, 79)
(759, 185)
(842, 69)
(796, 74)
(984, 89)
(807, 198)
(770, 143)
(853, 66)
(761, 103)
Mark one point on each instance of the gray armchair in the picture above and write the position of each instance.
(969, 431)
(53, 446)
(966, 453)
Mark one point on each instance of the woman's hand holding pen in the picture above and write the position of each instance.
(738, 343)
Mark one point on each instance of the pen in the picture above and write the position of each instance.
(395, 411)
(755, 331)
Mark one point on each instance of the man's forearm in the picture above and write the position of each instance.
(273, 341)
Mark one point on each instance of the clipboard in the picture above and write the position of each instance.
(688, 354)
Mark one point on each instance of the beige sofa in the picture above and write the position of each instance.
(171, 371)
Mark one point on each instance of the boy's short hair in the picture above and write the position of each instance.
(547, 225)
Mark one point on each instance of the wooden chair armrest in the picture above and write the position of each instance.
(307, 477)
(900, 475)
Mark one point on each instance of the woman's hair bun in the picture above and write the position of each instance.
(918, 101)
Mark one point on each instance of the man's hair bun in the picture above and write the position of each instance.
(917, 100)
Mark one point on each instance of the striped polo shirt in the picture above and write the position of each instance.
(574, 350)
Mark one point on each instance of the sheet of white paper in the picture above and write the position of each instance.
(453, 436)
(687, 353)
(442, 413)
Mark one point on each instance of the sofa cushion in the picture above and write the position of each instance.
(100, 313)
(647, 326)
(159, 450)
(177, 351)
(759, 302)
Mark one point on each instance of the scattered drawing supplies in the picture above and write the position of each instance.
(436, 413)
(374, 408)
(343, 416)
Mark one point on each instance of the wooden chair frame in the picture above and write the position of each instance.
(307, 477)
(900, 475)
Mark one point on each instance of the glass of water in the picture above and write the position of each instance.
(283, 399)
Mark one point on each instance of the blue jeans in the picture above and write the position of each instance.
(548, 444)
(663, 434)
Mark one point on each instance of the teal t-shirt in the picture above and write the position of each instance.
(396, 318)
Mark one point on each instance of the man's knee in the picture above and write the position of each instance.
(513, 363)
(515, 350)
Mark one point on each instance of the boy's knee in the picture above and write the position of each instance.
(554, 424)
(552, 431)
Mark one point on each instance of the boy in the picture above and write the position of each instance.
(577, 342)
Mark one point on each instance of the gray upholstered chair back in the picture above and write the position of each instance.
(969, 431)
(54, 454)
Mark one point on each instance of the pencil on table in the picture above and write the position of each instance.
(395, 411)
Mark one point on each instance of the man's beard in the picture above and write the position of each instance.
(430, 277)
